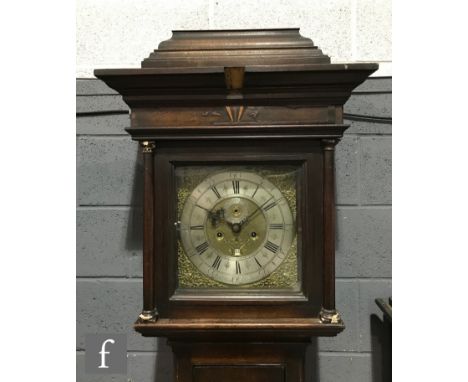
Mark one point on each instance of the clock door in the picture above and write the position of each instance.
(238, 228)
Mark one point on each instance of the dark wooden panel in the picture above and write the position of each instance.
(247, 373)
(148, 229)
(329, 223)
(217, 115)
(241, 362)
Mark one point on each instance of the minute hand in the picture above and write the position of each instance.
(246, 220)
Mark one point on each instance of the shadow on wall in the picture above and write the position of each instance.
(381, 332)
(164, 363)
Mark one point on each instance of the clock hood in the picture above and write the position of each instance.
(237, 67)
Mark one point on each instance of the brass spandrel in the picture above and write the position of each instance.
(285, 277)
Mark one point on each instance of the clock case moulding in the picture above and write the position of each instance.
(240, 97)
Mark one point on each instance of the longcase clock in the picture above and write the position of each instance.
(238, 130)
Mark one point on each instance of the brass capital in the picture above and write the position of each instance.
(330, 316)
(148, 315)
(148, 146)
(329, 143)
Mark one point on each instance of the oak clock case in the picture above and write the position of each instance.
(238, 130)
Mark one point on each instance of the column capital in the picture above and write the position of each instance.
(330, 316)
(148, 315)
(330, 143)
(148, 146)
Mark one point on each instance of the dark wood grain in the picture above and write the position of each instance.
(254, 362)
(239, 329)
(174, 303)
(221, 48)
(166, 117)
(149, 307)
(231, 373)
(329, 223)
(309, 86)
(238, 132)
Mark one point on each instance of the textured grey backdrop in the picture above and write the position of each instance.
(109, 263)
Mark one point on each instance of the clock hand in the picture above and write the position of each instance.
(248, 218)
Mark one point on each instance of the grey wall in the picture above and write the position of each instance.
(109, 263)
(119, 33)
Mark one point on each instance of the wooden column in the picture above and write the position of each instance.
(329, 313)
(149, 309)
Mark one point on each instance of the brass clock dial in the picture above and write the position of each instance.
(236, 227)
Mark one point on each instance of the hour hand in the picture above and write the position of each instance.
(248, 218)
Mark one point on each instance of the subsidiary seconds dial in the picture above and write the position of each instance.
(236, 227)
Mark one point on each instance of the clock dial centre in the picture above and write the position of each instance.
(229, 236)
